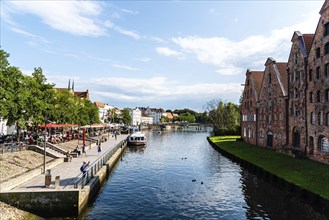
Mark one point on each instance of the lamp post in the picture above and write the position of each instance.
(44, 146)
(92, 121)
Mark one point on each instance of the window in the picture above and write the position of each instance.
(326, 48)
(250, 104)
(269, 78)
(310, 75)
(269, 91)
(326, 69)
(320, 119)
(247, 82)
(327, 95)
(326, 29)
(318, 72)
(244, 132)
(270, 119)
(327, 118)
(249, 133)
(295, 58)
(311, 97)
(318, 96)
(324, 144)
(312, 118)
(296, 93)
(317, 52)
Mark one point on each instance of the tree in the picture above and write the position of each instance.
(126, 118)
(112, 115)
(224, 117)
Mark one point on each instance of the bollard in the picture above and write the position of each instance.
(57, 180)
(48, 178)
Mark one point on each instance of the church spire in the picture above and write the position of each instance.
(69, 86)
(73, 85)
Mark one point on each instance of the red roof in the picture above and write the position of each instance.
(308, 39)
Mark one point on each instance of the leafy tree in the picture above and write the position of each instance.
(126, 118)
(224, 117)
(112, 115)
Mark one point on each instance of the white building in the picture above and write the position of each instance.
(4, 129)
(155, 113)
(146, 120)
(136, 116)
(103, 111)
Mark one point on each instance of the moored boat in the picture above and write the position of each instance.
(137, 138)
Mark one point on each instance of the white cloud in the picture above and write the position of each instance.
(125, 67)
(130, 33)
(130, 12)
(167, 52)
(233, 57)
(75, 17)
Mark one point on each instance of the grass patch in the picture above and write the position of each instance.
(308, 174)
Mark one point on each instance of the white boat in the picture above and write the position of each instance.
(137, 138)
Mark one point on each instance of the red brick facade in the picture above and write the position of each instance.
(272, 105)
(250, 99)
(293, 104)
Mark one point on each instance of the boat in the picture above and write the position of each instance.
(137, 138)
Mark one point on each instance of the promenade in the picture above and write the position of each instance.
(68, 171)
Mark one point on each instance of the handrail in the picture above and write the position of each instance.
(55, 148)
(83, 179)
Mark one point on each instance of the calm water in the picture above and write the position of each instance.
(178, 175)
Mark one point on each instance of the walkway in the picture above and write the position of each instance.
(68, 171)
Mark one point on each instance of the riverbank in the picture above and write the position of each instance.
(304, 173)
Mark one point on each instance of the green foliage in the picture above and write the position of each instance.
(224, 117)
(30, 100)
(126, 118)
(305, 173)
(187, 117)
(198, 117)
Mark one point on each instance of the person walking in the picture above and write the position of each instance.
(84, 150)
(84, 167)
(99, 148)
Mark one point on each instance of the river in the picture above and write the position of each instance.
(178, 175)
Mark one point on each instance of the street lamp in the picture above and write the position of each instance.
(92, 121)
(44, 146)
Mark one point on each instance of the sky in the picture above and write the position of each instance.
(161, 54)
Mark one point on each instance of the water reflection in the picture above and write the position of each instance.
(180, 176)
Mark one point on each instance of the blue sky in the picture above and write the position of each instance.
(168, 54)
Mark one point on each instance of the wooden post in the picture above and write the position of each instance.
(84, 136)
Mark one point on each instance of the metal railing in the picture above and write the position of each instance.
(83, 179)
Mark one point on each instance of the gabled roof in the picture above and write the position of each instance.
(99, 104)
(257, 78)
(308, 39)
(283, 80)
(82, 94)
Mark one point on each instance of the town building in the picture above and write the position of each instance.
(249, 111)
(146, 120)
(155, 113)
(297, 86)
(136, 116)
(318, 90)
(292, 110)
(104, 111)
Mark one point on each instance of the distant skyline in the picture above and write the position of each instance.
(163, 54)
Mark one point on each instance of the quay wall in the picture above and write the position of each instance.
(318, 202)
(90, 191)
(61, 202)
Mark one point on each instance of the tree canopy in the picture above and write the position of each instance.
(26, 101)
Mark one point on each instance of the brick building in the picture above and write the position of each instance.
(272, 105)
(250, 99)
(318, 90)
(293, 104)
(297, 85)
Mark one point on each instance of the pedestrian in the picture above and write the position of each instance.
(99, 148)
(77, 150)
(115, 134)
(84, 167)
(84, 150)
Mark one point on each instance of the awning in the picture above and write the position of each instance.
(57, 125)
(95, 126)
